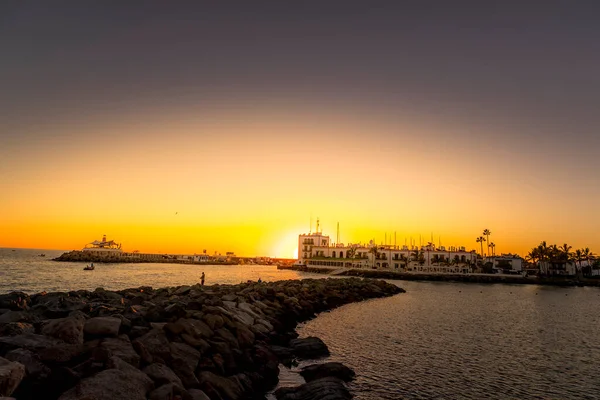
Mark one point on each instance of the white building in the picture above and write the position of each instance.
(201, 258)
(316, 249)
(506, 263)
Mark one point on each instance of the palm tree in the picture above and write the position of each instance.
(487, 233)
(587, 255)
(493, 246)
(480, 239)
(375, 252)
(566, 250)
(544, 252)
(578, 258)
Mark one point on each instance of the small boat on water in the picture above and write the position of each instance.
(89, 267)
(42, 255)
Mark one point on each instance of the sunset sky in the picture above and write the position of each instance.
(178, 127)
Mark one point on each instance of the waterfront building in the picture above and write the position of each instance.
(102, 247)
(505, 263)
(202, 258)
(316, 249)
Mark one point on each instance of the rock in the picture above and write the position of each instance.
(15, 301)
(325, 388)
(245, 337)
(198, 394)
(69, 330)
(34, 368)
(230, 304)
(184, 360)
(11, 374)
(193, 327)
(284, 354)
(62, 353)
(309, 348)
(225, 335)
(153, 346)
(102, 326)
(121, 382)
(215, 385)
(335, 369)
(164, 392)
(161, 374)
(29, 341)
(121, 347)
(182, 290)
(199, 344)
(214, 321)
(16, 328)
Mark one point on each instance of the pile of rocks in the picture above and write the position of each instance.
(187, 342)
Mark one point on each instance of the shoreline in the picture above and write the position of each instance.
(220, 341)
(463, 278)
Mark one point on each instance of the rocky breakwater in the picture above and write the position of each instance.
(187, 342)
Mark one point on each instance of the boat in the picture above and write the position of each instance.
(89, 267)
(42, 255)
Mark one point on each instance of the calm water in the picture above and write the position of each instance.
(468, 341)
(24, 270)
(438, 340)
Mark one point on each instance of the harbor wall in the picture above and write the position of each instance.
(442, 277)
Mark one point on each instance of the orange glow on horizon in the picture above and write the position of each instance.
(248, 183)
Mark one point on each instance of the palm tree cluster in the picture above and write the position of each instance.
(545, 255)
(491, 246)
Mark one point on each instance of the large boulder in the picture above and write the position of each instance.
(29, 341)
(11, 374)
(102, 326)
(198, 394)
(16, 328)
(329, 388)
(14, 316)
(183, 361)
(193, 327)
(161, 374)
(335, 369)
(34, 368)
(309, 348)
(120, 347)
(216, 386)
(120, 382)
(69, 330)
(153, 347)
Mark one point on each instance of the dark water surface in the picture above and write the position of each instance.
(469, 341)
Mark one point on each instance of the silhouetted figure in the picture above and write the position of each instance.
(259, 280)
(202, 279)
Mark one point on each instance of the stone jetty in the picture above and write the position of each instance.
(188, 342)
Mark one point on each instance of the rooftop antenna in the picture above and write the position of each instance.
(338, 233)
(317, 224)
(394, 238)
(310, 230)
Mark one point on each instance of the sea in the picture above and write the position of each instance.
(439, 340)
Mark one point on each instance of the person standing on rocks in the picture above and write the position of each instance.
(202, 279)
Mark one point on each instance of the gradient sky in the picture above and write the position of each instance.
(182, 127)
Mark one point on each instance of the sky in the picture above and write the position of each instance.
(180, 127)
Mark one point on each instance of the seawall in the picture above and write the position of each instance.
(466, 278)
(85, 256)
(194, 342)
